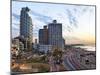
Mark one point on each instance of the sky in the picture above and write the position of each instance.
(78, 21)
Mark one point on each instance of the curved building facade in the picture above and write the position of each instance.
(26, 27)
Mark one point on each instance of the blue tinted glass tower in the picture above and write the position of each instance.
(26, 27)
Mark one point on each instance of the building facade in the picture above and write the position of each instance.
(17, 47)
(43, 36)
(45, 48)
(55, 34)
(26, 27)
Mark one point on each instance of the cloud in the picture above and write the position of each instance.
(15, 26)
(16, 16)
(15, 32)
(69, 29)
(75, 13)
(85, 9)
(72, 19)
(41, 17)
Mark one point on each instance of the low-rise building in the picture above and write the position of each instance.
(16, 47)
(21, 46)
(45, 48)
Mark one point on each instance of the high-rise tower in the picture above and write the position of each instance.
(55, 34)
(26, 27)
(43, 36)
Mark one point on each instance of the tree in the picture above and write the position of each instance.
(57, 54)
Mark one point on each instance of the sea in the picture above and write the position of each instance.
(88, 48)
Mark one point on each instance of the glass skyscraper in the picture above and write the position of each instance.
(26, 27)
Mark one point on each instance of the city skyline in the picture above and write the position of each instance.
(78, 22)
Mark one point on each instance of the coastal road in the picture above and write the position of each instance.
(71, 62)
(67, 63)
(53, 67)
